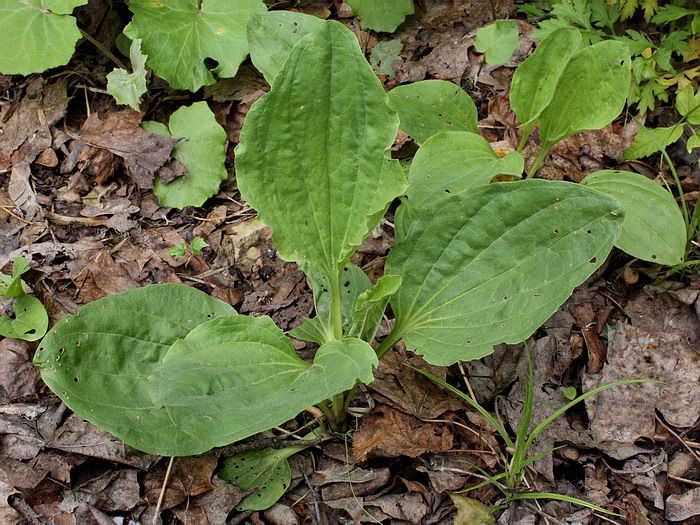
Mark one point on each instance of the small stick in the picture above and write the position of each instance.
(162, 491)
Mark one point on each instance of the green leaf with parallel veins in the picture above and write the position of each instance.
(266, 470)
(99, 362)
(320, 329)
(430, 106)
(314, 157)
(499, 41)
(128, 88)
(653, 229)
(649, 141)
(201, 151)
(452, 161)
(370, 306)
(272, 36)
(251, 361)
(178, 35)
(591, 92)
(535, 80)
(30, 322)
(491, 265)
(38, 35)
(148, 366)
(381, 15)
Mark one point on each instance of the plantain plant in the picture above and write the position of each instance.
(172, 371)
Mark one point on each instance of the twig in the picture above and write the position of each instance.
(679, 438)
(162, 491)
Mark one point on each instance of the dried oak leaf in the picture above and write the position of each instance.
(390, 433)
(143, 153)
(190, 476)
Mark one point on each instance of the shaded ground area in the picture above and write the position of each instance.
(75, 178)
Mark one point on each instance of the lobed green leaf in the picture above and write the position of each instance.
(381, 15)
(498, 41)
(201, 151)
(491, 265)
(38, 35)
(178, 35)
(128, 88)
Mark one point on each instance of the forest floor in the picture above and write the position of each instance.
(90, 231)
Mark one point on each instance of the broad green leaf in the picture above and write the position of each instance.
(30, 322)
(499, 41)
(535, 80)
(37, 35)
(128, 88)
(148, 366)
(272, 36)
(370, 306)
(99, 362)
(235, 376)
(201, 151)
(197, 245)
(591, 92)
(452, 161)
(11, 286)
(381, 15)
(383, 56)
(430, 106)
(314, 157)
(693, 142)
(266, 470)
(688, 105)
(178, 35)
(653, 229)
(670, 13)
(492, 264)
(649, 141)
(353, 283)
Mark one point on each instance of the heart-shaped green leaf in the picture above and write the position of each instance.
(201, 151)
(314, 157)
(149, 366)
(430, 106)
(653, 229)
(38, 35)
(381, 15)
(11, 285)
(272, 36)
(498, 41)
(452, 161)
(491, 265)
(30, 322)
(591, 92)
(535, 80)
(178, 35)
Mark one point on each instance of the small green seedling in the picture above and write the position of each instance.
(195, 247)
(173, 371)
(510, 482)
(31, 320)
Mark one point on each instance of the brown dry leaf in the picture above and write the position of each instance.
(408, 507)
(409, 391)
(213, 507)
(645, 473)
(78, 436)
(390, 433)
(190, 477)
(113, 491)
(470, 13)
(683, 506)
(26, 126)
(21, 192)
(143, 153)
(627, 412)
(19, 474)
(585, 317)
(119, 210)
(18, 376)
(8, 515)
(667, 308)
(97, 275)
(352, 484)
